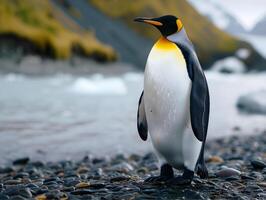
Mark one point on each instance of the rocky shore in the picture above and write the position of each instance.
(237, 170)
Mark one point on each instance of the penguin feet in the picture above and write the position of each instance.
(202, 171)
(185, 179)
(166, 174)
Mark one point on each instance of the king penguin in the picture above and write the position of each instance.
(174, 105)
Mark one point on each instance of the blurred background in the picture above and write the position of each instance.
(71, 71)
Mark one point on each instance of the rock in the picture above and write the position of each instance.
(41, 197)
(258, 164)
(226, 172)
(6, 170)
(4, 197)
(18, 197)
(119, 179)
(68, 189)
(13, 182)
(82, 185)
(18, 190)
(97, 185)
(82, 170)
(81, 192)
(21, 161)
(215, 159)
(262, 184)
(253, 103)
(262, 195)
(190, 194)
(21, 175)
(122, 168)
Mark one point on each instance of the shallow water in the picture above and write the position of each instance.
(65, 116)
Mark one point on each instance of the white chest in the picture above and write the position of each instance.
(166, 95)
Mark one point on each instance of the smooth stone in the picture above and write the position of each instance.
(119, 179)
(21, 161)
(82, 185)
(134, 157)
(82, 170)
(246, 177)
(258, 164)
(18, 197)
(41, 197)
(262, 194)
(68, 189)
(81, 192)
(215, 159)
(4, 197)
(122, 168)
(54, 179)
(6, 170)
(13, 182)
(226, 172)
(18, 190)
(32, 186)
(262, 184)
(37, 164)
(21, 175)
(71, 182)
(190, 194)
(97, 185)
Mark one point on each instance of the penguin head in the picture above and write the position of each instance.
(167, 24)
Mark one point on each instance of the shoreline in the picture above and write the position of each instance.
(236, 165)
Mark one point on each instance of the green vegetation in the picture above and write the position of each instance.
(210, 42)
(37, 22)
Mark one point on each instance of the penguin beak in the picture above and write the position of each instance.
(148, 21)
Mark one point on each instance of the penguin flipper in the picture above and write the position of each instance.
(141, 119)
(199, 98)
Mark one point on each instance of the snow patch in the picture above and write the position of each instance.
(229, 65)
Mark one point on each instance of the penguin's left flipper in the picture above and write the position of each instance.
(199, 97)
(141, 119)
(199, 104)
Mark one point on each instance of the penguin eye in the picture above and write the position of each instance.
(179, 25)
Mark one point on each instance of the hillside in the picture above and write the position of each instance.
(211, 43)
(39, 28)
(260, 27)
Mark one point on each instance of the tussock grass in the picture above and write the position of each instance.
(36, 21)
(209, 41)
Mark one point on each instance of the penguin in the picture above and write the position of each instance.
(174, 105)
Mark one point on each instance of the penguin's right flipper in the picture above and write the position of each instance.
(141, 119)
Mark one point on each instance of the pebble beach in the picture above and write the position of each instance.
(237, 170)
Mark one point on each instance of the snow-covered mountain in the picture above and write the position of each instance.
(218, 16)
(260, 27)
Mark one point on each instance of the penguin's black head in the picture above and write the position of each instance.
(167, 24)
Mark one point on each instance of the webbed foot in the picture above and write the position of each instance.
(166, 174)
(185, 179)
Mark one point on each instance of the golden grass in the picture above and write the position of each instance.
(208, 39)
(35, 21)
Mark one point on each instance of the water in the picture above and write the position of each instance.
(66, 116)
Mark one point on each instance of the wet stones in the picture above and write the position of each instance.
(236, 171)
(21, 161)
(258, 164)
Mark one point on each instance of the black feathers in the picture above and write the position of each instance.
(141, 119)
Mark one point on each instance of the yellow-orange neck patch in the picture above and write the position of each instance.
(164, 44)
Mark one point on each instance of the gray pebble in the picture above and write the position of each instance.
(226, 172)
(21, 161)
(258, 164)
